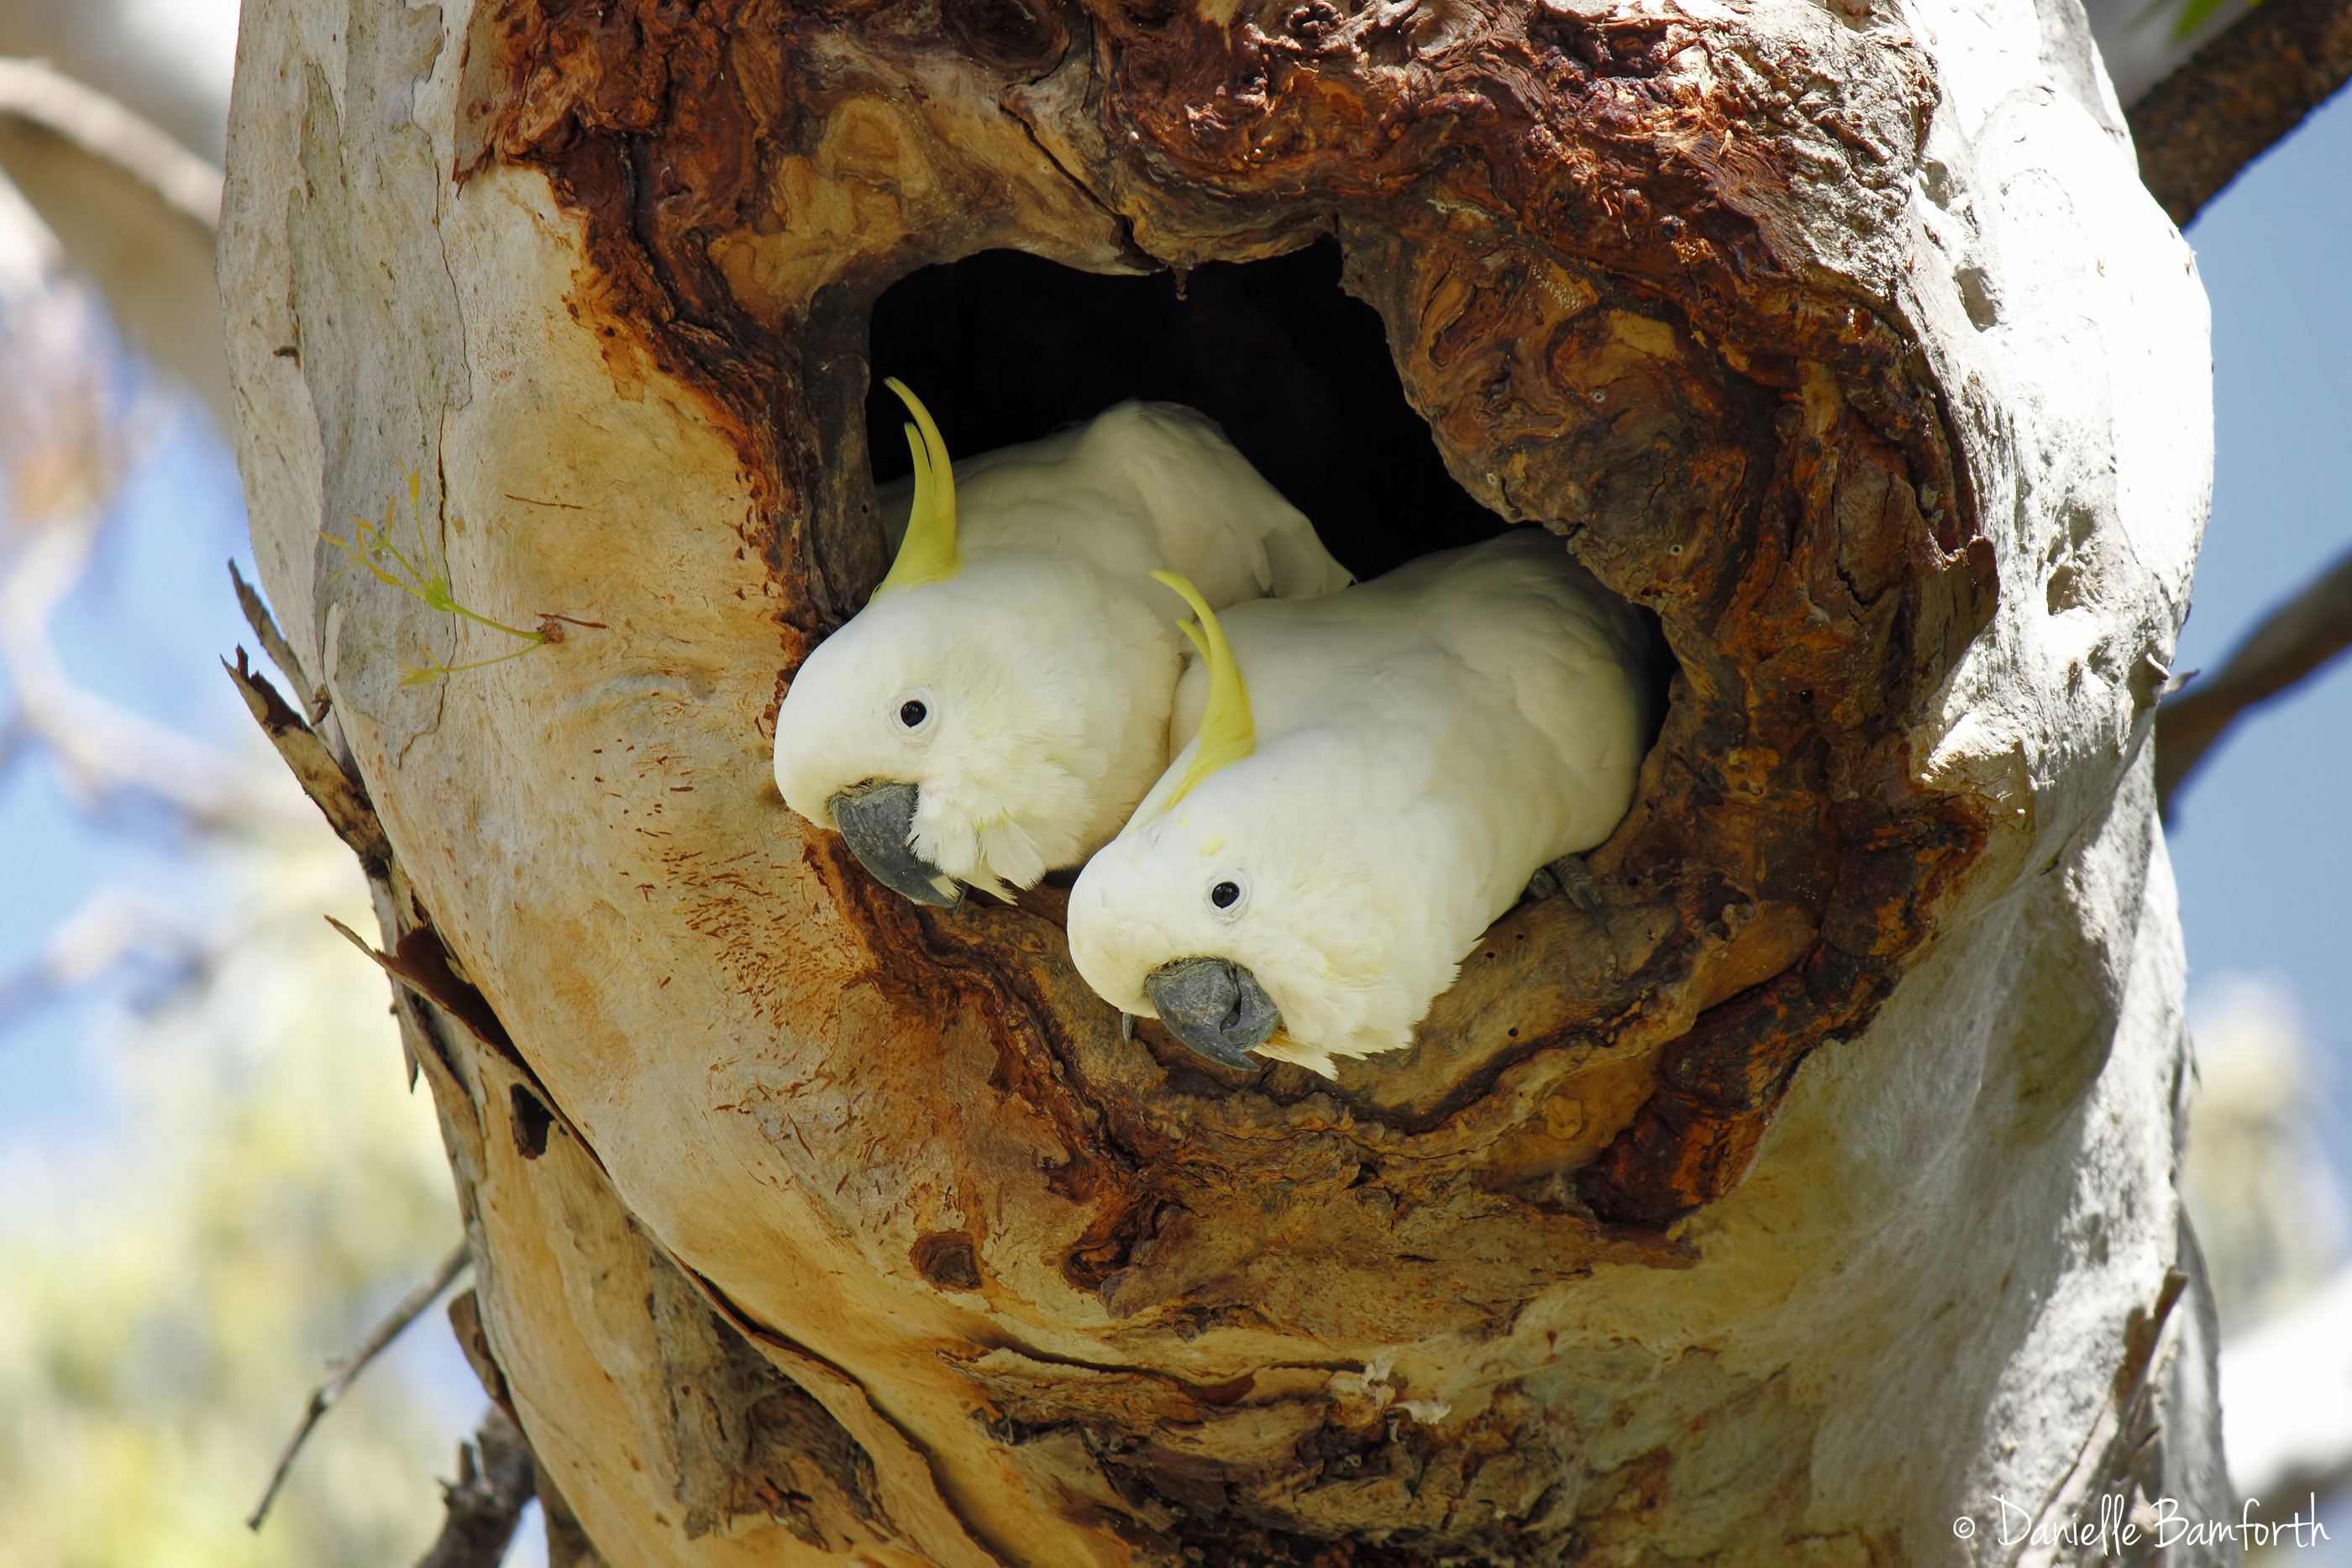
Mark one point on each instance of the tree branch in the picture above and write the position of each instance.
(41, 95)
(2295, 639)
(2237, 96)
(112, 923)
(105, 748)
(496, 1477)
(66, 440)
(323, 1398)
(136, 211)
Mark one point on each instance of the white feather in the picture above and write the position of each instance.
(1048, 661)
(1425, 742)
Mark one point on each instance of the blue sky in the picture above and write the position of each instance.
(2259, 839)
(141, 629)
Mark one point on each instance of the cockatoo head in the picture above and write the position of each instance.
(1245, 904)
(961, 727)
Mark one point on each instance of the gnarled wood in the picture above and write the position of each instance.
(813, 1222)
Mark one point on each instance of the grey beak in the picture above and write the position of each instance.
(1215, 1007)
(877, 821)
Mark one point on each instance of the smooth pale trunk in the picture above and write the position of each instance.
(818, 1227)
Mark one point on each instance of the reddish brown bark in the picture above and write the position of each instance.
(813, 1223)
(1586, 286)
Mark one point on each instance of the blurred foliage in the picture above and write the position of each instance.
(2266, 1204)
(2192, 15)
(170, 1293)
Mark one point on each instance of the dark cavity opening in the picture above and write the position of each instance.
(531, 1120)
(1004, 346)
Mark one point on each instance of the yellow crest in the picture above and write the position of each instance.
(928, 553)
(1227, 735)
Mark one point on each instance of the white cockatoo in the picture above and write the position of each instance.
(1333, 835)
(1002, 702)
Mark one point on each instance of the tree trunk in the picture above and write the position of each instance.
(1813, 1204)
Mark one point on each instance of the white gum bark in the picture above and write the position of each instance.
(1948, 1276)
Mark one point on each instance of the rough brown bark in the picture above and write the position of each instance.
(486, 1501)
(810, 1223)
(2238, 97)
(1582, 380)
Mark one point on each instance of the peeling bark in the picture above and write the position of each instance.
(1779, 1211)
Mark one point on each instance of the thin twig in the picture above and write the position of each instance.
(2238, 97)
(347, 1371)
(2295, 639)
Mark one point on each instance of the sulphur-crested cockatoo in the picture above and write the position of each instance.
(999, 707)
(1334, 835)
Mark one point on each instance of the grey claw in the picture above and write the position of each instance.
(1570, 875)
(1127, 1027)
(1214, 1005)
(877, 821)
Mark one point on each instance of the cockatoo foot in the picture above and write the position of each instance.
(1567, 874)
(1570, 875)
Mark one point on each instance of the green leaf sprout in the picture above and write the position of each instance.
(374, 547)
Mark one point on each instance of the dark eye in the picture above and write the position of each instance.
(1223, 894)
(913, 714)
